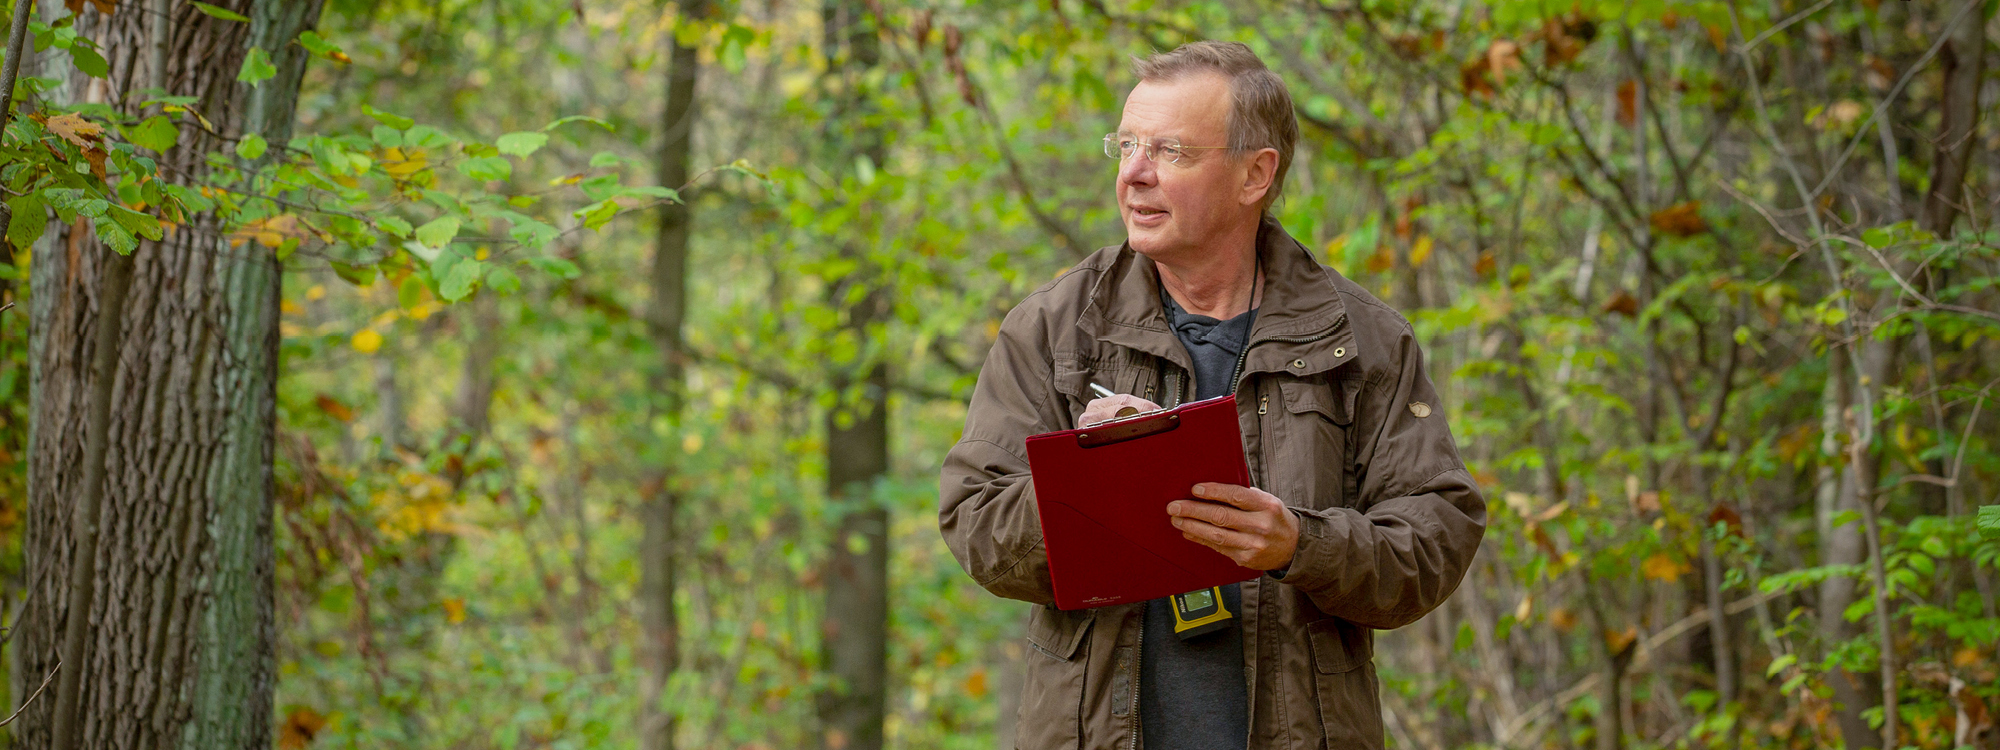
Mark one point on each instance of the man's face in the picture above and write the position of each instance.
(1180, 209)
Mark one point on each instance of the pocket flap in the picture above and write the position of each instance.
(1335, 400)
(1339, 646)
(1058, 633)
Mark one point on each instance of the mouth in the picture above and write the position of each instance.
(1148, 214)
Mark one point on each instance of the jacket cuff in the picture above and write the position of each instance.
(1312, 560)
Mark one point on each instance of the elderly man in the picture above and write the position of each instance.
(1362, 514)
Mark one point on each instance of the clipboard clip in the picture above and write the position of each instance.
(1129, 428)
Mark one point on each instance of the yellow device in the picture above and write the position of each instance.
(1200, 611)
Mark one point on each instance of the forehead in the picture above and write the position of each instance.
(1194, 107)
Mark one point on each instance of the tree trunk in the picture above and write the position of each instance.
(178, 649)
(855, 632)
(659, 625)
(1963, 60)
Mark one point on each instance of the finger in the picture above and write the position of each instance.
(1114, 402)
(1247, 498)
(1107, 408)
(1217, 514)
(1223, 539)
(1239, 556)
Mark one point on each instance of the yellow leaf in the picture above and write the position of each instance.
(691, 443)
(1421, 251)
(299, 729)
(367, 341)
(1562, 620)
(975, 685)
(1663, 567)
(454, 610)
(401, 165)
(1335, 245)
(1621, 640)
(75, 129)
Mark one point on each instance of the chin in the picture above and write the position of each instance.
(1146, 241)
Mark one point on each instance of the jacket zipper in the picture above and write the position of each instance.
(1138, 652)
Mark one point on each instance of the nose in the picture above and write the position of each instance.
(1137, 170)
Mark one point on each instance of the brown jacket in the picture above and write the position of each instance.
(1338, 419)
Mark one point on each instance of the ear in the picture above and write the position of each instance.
(1260, 170)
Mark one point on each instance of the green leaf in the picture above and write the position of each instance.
(577, 118)
(318, 45)
(356, 275)
(89, 62)
(423, 252)
(501, 280)
(252, 146)
(31, 216)
(438, 232)
(532, 234)
(387, 136)
(411, 292)
(257, 67)
(114, 236)
(1779, 664)
(137, 223)
(222, 13)
(521, 144)
(652, 191)
(605, 159)
(486, 168)
(398, 122)
(394, 225)
(1989, 518)
(190, 199)
(460, 280)
(598, 214)
(555, 266)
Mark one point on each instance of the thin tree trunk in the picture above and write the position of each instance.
(854, 634)
(178, 648)
(1841, 545)
(666, 319)
(88, 508)
(1964, 61)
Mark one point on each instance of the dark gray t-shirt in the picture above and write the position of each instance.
(1192, 694)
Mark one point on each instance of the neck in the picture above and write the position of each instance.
(1217, 281)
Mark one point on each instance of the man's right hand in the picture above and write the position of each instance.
(1106, 409)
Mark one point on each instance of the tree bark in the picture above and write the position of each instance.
(1963, 59)
(666, 318)
(178, 648)
(854, 634)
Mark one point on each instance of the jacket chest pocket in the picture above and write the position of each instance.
(1121, 371)
(1311, 444)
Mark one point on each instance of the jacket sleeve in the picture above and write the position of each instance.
(986, 507)
(1415, 526)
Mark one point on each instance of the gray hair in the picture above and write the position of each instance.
(1260, 109)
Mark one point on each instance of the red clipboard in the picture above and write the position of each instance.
(1103, 492)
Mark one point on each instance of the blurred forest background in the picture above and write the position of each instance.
(522, 374)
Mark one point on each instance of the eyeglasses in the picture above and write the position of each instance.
(1167, 149)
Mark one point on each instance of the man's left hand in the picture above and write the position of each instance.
(1247, 524)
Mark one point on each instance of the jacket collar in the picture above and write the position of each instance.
(1301, 316)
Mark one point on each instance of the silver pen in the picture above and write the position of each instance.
(1102, 392)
